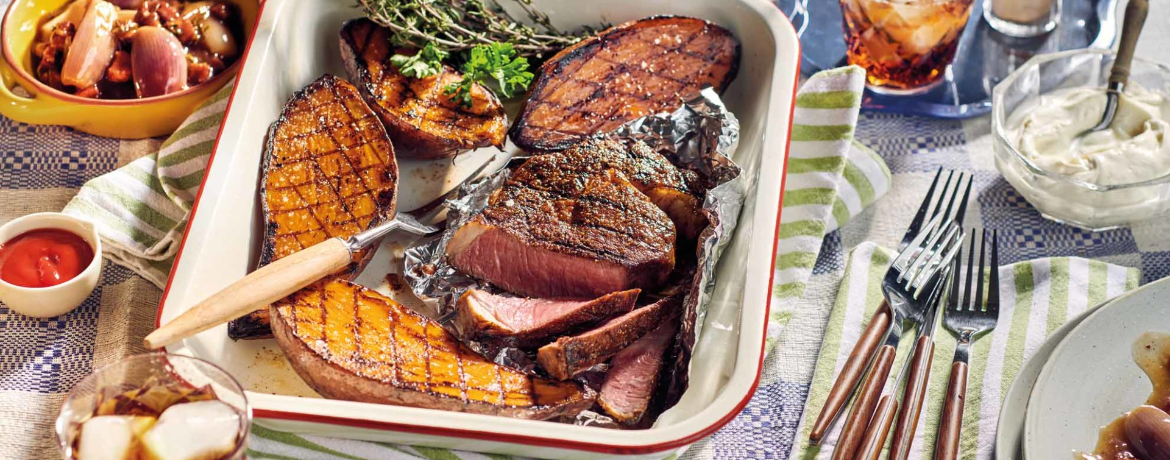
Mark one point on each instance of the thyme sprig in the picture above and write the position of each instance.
(459, 25)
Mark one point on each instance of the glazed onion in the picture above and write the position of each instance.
(158, 62)
(217, 38)
(92, 48)
(1148, 429)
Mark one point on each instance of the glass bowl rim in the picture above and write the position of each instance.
(166, 357)
(999, 119)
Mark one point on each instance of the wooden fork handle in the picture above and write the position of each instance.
(851, 373)
(863, 406)
(952, 416)
(879, 428)
(912, 398)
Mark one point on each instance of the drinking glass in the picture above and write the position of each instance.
(151, 369)
(905, 46)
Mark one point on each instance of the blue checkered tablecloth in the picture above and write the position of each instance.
(41, 359)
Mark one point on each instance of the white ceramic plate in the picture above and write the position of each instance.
(297, 41)
(1091, 378)
(1009, 432)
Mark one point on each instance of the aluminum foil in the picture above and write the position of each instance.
(700, 135)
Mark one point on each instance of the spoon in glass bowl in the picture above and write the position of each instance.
(1131, 28)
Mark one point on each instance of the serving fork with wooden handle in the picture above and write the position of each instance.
(968, 319)
(285, 276)
(937, 200)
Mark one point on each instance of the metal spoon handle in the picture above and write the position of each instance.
(1131, 28)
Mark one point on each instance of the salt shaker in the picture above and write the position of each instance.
(1022, 18)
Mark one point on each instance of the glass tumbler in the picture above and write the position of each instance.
(905, 46)
(146, 370)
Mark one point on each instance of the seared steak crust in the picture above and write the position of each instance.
(569, 237)
(678, 192)
(569, 356)
(625, 72)
(349, 342)
(423, 122)
(328, 171)
(525, 322)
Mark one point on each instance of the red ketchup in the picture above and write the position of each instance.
(43, 258)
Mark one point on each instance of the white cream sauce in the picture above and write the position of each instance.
(1133, 149)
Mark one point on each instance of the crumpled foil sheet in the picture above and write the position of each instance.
(700, 135)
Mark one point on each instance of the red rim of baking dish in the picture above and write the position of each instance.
(48, 91)
(615, 449)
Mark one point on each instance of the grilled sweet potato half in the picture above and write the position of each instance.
(423, 121)
(329, 171)
(625, 72)
(349, 342)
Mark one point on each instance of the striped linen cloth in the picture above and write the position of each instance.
(141, 209)
(1036, 297)
(830, 178)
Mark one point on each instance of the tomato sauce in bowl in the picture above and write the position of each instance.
(44, 257)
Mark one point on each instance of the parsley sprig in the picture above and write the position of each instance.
(495, 65)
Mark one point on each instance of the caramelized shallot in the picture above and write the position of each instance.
(1148, 430)
(92, 48)
(217, 38)
(158, 62)
(130, 4)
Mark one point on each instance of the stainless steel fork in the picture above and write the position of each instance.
(940, 199)
(914, 272)
(968, 317)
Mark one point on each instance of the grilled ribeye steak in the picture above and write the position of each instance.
(328, 171)
(349, 342)
(527, 322)
(625, 72)
(423, 122)
(569, 356)
(678, 192)
(599, 237)
(633, 375)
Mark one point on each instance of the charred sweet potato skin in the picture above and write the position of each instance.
(625, 72)
(329, 171)
(349, 342)
(423, 122)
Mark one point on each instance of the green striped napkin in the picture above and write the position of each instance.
(830, 178)
(1036, 297)
(141, 209)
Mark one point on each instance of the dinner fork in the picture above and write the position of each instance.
(967, 319)
(913, 272)
(850, 375)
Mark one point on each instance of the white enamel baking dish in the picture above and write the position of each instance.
(295, 42)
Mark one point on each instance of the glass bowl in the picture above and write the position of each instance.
(1059, 197)
(139, 371)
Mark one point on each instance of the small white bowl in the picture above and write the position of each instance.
(45, 302)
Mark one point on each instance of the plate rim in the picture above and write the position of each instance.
(1048, 366)
(1058, 335)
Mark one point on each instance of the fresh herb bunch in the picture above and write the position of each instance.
(427, 62)
(460, 25)
(495, 65)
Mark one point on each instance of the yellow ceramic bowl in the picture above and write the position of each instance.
(126, 119)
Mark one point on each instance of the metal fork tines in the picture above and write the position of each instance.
(915, 271)
(969, 314)
(948, 195)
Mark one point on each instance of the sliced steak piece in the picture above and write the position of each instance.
(349, 342)
(525, 321)
(633, 375)
(328, 171)
(568, 356)
(423, 122)
(605, 236)
(625, 72)
(672, 189)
